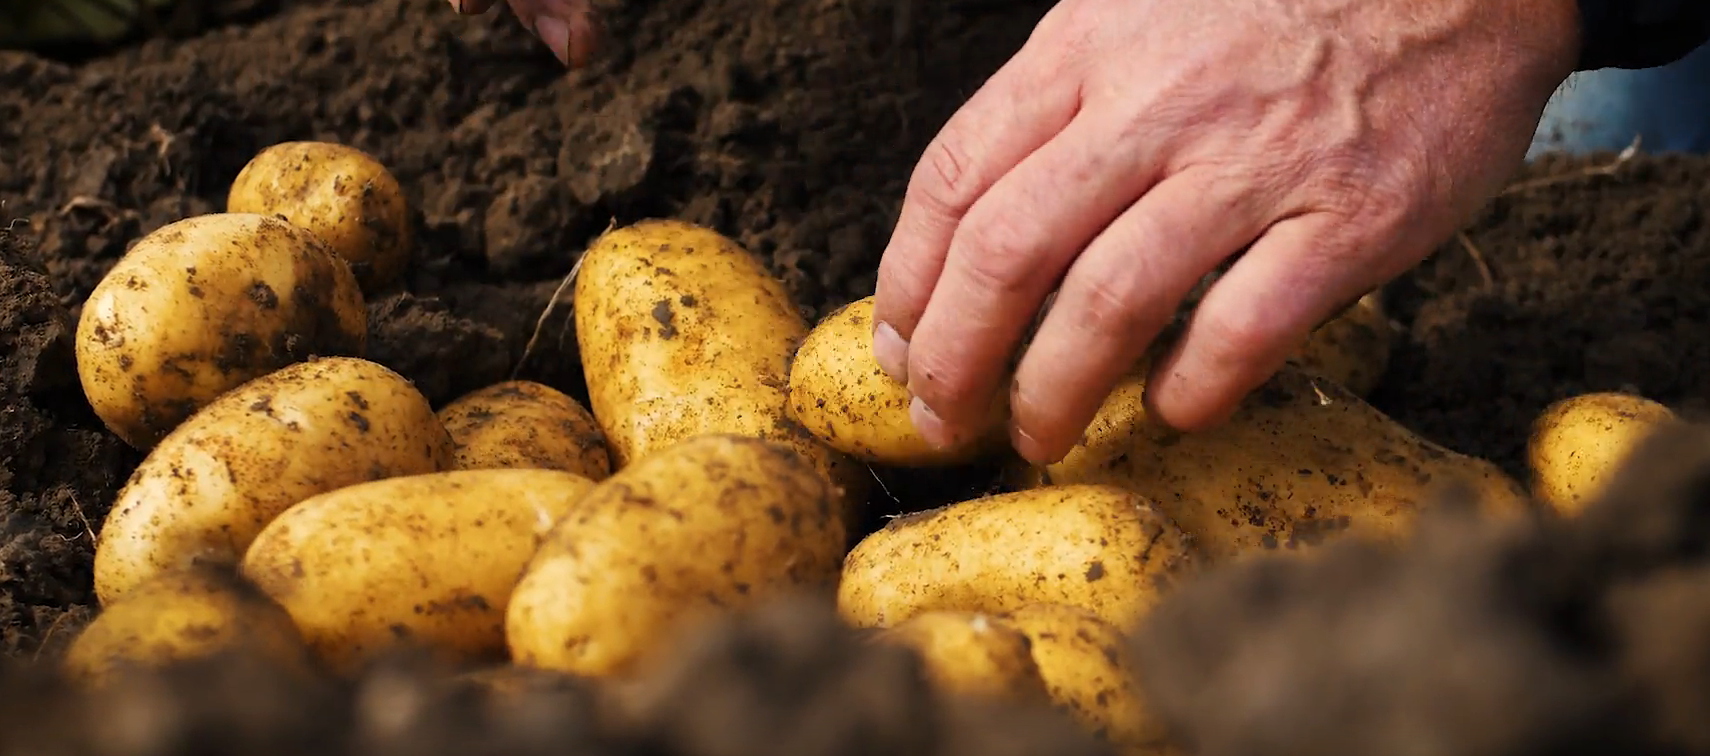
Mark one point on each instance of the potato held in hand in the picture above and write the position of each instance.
(1302, 460)
(715, 522)
(1353, 348)
(423, 559)
(841, 396)
(683, 333)
(1100, 548)
(969, 653)
(1085, 664)
(180, 616)
(339, 193)
(202, 305)
(523, 424)
(205, 492)
(1579, 442)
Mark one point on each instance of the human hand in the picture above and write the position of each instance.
(568, 27)
(1133, 145)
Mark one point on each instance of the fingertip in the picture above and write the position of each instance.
(890, 350)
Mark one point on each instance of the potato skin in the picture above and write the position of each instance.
(969, 653)
(1302, 460)
(426, 560)
(339, 193)
(523, 424)
(182, 615)
(683, 333)
(1579, 442)
(714, 522)
(211, 485)
(1352, 348)
(839, 394)
(202, 305)
(1101, 548)
(1088, 672)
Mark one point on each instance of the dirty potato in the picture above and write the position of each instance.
(1085, 664)
(203, 494)
(339, 193)
(1352, 348)
(202, 305)
(970, 653)
(1301, 461)
(425, 561)
(715, 522)
(182, 615)
(1101, 548)
(523, 424)
(1579, 442)
(841, 396)
(682, 333)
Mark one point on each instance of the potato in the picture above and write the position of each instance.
(841, 396)
(205, 492)
(178, 616)
(424, 560)
(1100, 548)
(714, 522)
(1302, 460)
(1579, 442)
(683, 333)
(1085, 664)
(339, 193)
(523, 424)
(1352, 348)
(969, 653)
(202, 305)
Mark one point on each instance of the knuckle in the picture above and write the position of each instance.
(1000, 253)
(1239, 334)
(944, 180)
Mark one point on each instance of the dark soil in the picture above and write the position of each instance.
(790, 125)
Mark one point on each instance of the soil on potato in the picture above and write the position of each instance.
(791, 125)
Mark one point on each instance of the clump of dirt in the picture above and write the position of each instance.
(1594, 284)
(787, 679)
(1589, 635)
(59, 467)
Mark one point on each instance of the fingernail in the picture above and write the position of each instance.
(891, 352)
(556, 34)
(928, 425)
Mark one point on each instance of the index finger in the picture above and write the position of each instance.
(1014, 113)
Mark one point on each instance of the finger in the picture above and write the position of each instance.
(1009, 251)
(1018, 109)
(472, 7)
(1254, 317)
(1117, 296)
(567, 27)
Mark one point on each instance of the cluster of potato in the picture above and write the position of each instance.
(301, 500)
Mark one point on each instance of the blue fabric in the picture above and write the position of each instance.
(1669, 107)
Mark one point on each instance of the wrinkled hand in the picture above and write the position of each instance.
(568, 27)
(1133, 145)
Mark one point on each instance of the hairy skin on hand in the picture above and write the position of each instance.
(1133, 145)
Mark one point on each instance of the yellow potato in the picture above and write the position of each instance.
(205, 492)
(178, 616)
(1352, 348)
(1100, 548)
(1087, 670)
(839, 394)
(969, 653)
(715, 522)
(1302, 460)
(341, 194)
(523, 424)
(1578, 443)
(424, 561)
(202, 305)
(683, 333)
